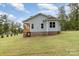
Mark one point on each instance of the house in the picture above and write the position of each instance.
(41, 24)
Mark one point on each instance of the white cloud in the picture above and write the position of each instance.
(49, 9)
(67, 9)
(47, 6)
(20, 20)
(10, 16)
(20, 7)
(49, 12)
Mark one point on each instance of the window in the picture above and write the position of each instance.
(32, 26)
(42, 25)
(52, 24)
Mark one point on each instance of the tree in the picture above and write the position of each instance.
(62, 17)
(74, 14)
(14, 28)
(1, 25)
(19, 27)
(6, 24)
(70, 21)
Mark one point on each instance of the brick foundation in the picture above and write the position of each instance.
(41, 33)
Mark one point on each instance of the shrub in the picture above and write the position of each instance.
(7, 35)
(11, 34)
(2, 36)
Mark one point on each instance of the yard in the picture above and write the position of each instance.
(66, 43)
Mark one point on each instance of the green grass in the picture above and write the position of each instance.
(66, 43)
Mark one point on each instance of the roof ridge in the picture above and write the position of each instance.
(48, 16)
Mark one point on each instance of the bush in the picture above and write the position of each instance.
(7, 35)
(58, 32)
(2, 36)
(11, 34)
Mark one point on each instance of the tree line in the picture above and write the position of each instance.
(9, 27)
(69, 21)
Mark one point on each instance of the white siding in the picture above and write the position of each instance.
(37, 24)
(57, 26)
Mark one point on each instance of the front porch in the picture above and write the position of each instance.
(26, 31)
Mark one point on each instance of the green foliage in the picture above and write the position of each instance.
(2, 36)
(7, 26)
(71, 20)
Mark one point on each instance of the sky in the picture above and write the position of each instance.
(19, 11)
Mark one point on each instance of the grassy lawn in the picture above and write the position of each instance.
(66, 43)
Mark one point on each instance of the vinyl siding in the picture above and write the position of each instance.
(37, 24)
